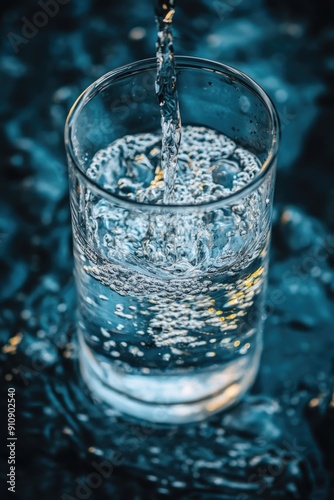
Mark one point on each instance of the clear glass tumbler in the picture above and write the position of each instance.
(171, 297)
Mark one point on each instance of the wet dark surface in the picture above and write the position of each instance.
(279, 442)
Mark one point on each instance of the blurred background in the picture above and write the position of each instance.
(278, 443)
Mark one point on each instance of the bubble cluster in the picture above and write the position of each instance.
(210, 167)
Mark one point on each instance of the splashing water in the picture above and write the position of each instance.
(167, 97)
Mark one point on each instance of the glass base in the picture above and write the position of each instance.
(175, 399)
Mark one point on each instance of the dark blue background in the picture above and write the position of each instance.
(279, 442)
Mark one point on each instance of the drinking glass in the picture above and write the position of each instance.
(171, 297)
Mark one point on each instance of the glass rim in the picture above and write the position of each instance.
(184, 62)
